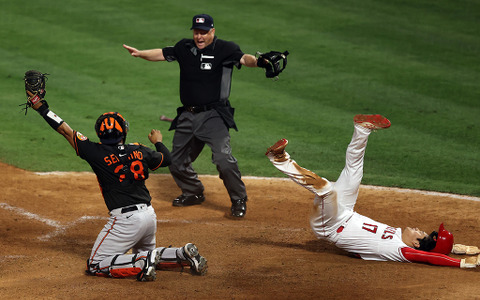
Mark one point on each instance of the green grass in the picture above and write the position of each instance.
(417, 62)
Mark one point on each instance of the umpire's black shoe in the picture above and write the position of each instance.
(184, 200)
(239, 207)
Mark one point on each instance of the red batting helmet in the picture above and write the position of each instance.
(444, 241)
(111, 128)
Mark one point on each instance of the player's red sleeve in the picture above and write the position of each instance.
(419, 256)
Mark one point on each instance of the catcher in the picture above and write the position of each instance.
(121, 171)
(205, 117)
(335, 220)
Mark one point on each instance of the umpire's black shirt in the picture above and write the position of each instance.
(205, 74)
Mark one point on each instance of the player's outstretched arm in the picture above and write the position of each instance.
(55, 121)
(67, 133)
(35, 82)
(150, 55)
(438, 259)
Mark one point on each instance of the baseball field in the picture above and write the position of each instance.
(415, 62)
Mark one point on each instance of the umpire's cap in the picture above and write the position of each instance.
(203, 22)
(444, 243)
(111, 128)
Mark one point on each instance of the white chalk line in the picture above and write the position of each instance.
(11, 257)
(59, 228)
(62, 228)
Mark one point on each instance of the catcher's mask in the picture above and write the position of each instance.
(444, 240)
(111, 128)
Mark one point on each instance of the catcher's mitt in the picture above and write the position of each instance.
(273, 62)
(34, 88)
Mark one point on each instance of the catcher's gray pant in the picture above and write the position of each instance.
(193, 131)
(132, 230)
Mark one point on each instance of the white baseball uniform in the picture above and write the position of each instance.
(335, 220)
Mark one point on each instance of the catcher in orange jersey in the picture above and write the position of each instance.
(335, 220)
(121, 170)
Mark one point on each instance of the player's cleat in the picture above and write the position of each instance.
(148, 272)
(278, 150)
(184, 200)
(239, 207)
(373, 122)
(198, 263)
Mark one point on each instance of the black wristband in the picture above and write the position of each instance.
(43, 109)
(52, 119)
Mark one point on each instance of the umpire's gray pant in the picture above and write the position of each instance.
(193, 131)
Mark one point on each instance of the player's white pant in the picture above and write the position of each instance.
(334, 202)
(133, 230)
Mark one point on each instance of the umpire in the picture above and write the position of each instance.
(205, 117)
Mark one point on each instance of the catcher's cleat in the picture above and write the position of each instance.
(184, 200)
(198, 263)
(373, 122)
(148, 272)
(239, 207)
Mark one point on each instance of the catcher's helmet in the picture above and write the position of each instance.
(111, 128)
(444, 241)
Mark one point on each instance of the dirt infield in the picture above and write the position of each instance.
(49, 223)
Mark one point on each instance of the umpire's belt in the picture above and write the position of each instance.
(126, 209)
(201, 108)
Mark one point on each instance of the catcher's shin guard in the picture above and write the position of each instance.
(148, 272)
(182, 257)
(141, 265)
(169, 259)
